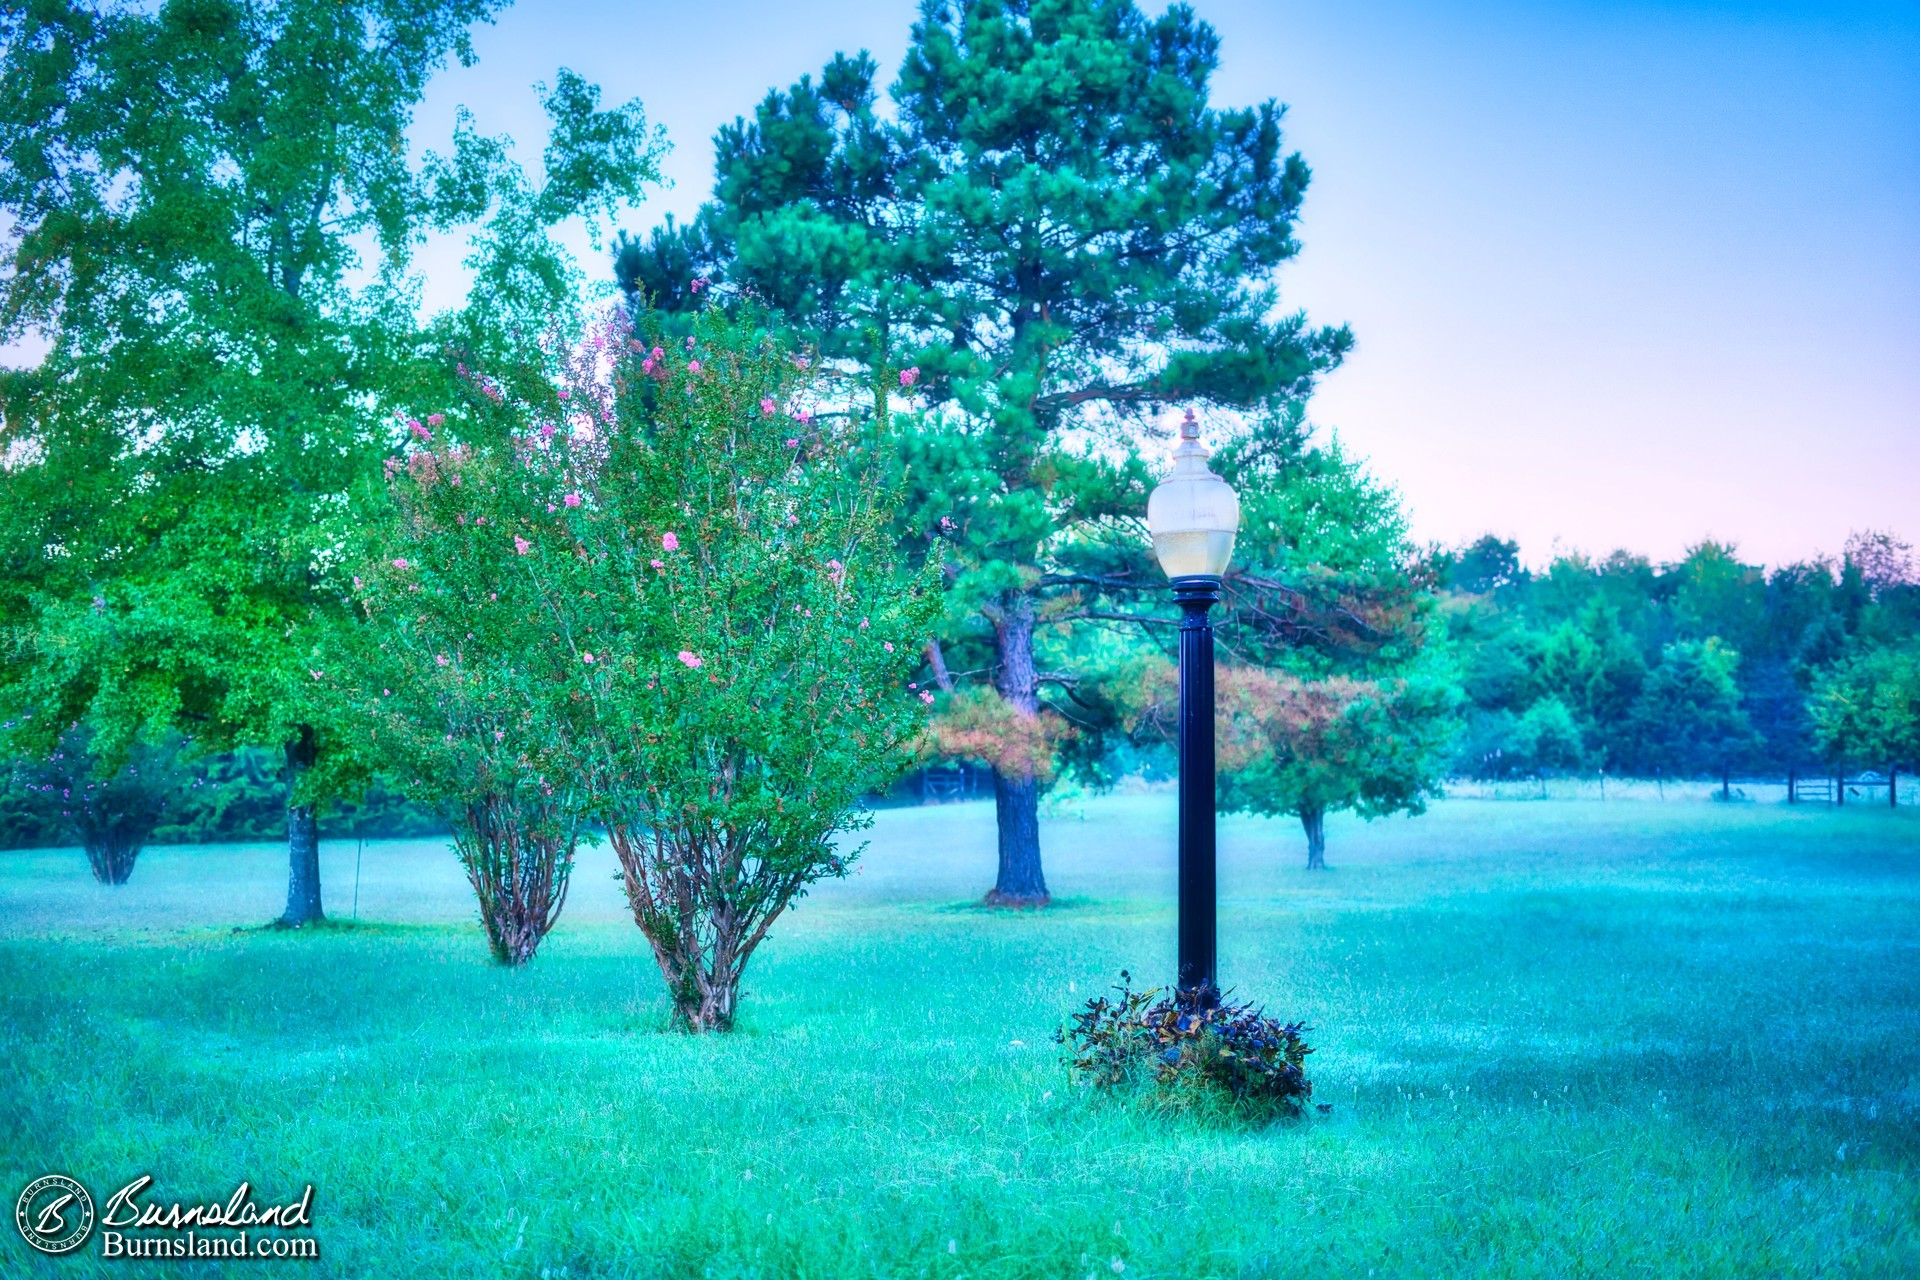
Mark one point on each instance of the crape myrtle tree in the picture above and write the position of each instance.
(111, 807)
(662, 596)
(1055, 236)
(190, 187)
(445, 683)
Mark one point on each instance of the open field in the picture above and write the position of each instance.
(1558, 1039)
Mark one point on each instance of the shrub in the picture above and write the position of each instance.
(450, 684)
(1190, 1046)
(732, 553)
(662, 597)
(110, 804)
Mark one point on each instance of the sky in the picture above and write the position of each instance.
(1620, 275)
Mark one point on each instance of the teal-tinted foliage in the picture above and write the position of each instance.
(1056, 235)
(1707, 666)
(1190, 1044)
(213, 214)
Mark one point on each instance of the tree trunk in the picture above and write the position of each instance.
(519, 860)
(111, 855)
(303, 841)
(1016, 789)
(1314, 822)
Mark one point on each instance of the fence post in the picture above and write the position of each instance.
(1893, 787)
(1791, 797)
(1840, 788)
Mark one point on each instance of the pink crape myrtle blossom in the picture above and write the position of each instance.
(691, 658)
(520, 545)
(670, 541)
(926, 697)
(587, 658)
(658, 564)
(419, 432)
(888, 646)
(572, 500)
(766, 406)
(401, 564)
(435, 419)
(693, 366)
(909, 376)
(793, 443)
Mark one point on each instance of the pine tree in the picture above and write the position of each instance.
(1056, 237)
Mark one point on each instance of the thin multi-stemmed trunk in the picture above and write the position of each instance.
(303, 841)
(111, 854)
(519, 864)
(701, 912)
(1314, 822)
(1016, 791)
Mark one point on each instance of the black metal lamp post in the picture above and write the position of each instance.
(1193, 516)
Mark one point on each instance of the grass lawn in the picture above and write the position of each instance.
(1562, 1038)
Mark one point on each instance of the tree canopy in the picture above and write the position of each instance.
(1056, 235)
(191, 187)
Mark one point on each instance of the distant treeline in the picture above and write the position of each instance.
(1701, 668)
(236, 797)
(1698, 668)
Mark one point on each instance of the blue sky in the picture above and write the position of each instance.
(1624, 274)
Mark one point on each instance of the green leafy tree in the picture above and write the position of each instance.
(1314, 747)
(712, 564)
(1057, 236)
(1689, 718)
(1866, 708)
(190, 186)
(444, 684)
(1336, 693)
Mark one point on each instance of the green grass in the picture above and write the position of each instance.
(1558, 1039)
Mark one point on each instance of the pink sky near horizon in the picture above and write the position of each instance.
(1620, 274)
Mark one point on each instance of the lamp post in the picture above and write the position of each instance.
(1193, 516)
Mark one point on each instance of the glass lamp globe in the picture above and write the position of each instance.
(1193, 514)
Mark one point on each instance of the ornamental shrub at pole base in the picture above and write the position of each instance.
(1190, 1049)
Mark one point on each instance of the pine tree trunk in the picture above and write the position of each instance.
(1016, 791)
(303, 842)
(1314, 822)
